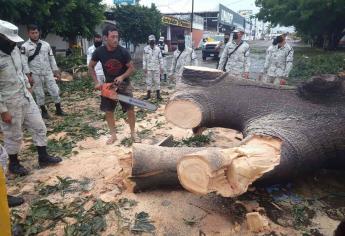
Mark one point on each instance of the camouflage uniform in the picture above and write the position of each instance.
(278, 63)
(239, 62)
(221, 47)
(187, 58)
(164, 49)
(17, 100)
(153, 63)
(41, 67)
(98, 68)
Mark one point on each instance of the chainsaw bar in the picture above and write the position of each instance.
(136, 102)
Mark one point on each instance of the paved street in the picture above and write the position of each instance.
(257, 58)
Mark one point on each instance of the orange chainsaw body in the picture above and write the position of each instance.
(109, 91)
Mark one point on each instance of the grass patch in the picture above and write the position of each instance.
(308, 63)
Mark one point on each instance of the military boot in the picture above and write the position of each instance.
(15, 167)
(148, 95)
(59, 111)
(158, 95)
(14, 201)
(44, 112)
(44, 159)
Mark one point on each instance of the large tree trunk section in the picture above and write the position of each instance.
(155, 166)
(228, 172)
(309, 119)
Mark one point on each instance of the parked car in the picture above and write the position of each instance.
(209, 47)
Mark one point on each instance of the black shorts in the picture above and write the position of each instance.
(109, 105)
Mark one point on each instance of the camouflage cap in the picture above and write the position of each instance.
(10, 31)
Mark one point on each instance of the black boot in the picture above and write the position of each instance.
(44, 159)
(159, 95)
(165, 78)
(15, 167)
(44, 111)
(59, 111)
(148, 95)
(14, 201)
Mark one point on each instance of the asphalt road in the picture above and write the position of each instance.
(257, 58)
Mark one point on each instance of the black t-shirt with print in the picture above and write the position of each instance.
(113, 62)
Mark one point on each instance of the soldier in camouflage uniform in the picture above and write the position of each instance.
(40, 67)
(153, 66)
(183, 56)
(221, 46)
(278, 63)
(17, 107)
(235, 57)
(164, 49)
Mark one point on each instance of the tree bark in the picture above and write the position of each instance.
(309, 119)
(290, 132)
(155, 166)
(227, 172)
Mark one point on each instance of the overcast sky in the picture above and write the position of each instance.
(200, 5)
(169, 6)
(176, 6)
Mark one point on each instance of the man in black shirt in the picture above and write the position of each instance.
(117, 67)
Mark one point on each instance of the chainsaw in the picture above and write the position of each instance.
(109, 90)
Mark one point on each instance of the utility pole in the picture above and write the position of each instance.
(255, 28)
(191, 23)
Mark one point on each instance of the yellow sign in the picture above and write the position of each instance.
(173, 21)
(5, 224)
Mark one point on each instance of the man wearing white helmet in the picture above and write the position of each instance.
(17, 107)
(153, 66)
(164, 49)
(235, 57)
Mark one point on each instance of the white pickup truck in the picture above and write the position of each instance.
(209, 48)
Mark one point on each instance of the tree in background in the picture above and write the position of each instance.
(136, 29)
(66, 18)
(319, 21)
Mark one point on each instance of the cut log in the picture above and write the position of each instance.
(155, 166)
(309, 119)
(228, 172)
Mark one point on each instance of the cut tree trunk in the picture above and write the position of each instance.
(309, 119)
(290, 132)
(155, 166)
(228, 172)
